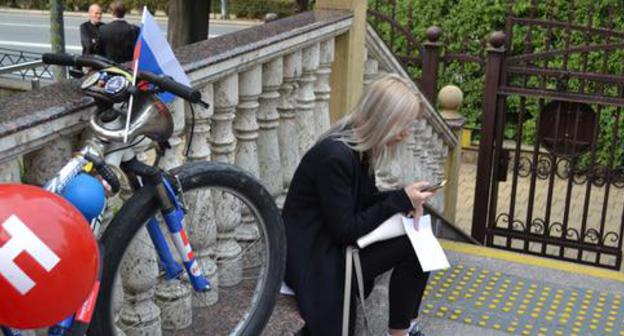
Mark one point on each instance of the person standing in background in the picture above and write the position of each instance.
(89, 31)
(118, 37)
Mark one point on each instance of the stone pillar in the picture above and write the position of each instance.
(304, 117)
(200, 219)
(348, 66)
(43, 164)
(289, 148)
(322, 90)
(227, 207)
(174, 157)
(268, 120)
(246, 131)
(450, 99)
(10, 171)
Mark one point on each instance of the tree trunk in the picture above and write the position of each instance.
(57, 34)
(188, 21)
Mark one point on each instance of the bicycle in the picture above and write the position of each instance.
(173, 200)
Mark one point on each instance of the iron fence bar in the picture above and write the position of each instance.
(559, 52)
(574, 27)
(551, 178)
(555, 241)
(558, 73)
(517, 153)
(608, 174)
(21, 66)
(564, 96)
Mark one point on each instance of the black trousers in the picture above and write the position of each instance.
(407, 282)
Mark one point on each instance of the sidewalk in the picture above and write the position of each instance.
(490, 292)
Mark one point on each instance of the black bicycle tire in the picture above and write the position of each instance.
(143, 204)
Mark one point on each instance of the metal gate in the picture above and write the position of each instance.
(550, 178)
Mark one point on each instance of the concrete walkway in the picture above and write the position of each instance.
(494, 292)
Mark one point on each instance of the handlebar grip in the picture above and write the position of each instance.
(75, 60)
(167, 84)
(59, 59)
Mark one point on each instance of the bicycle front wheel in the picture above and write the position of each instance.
(238, 239)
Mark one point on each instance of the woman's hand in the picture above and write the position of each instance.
(418, 198)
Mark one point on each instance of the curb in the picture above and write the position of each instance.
(160, 16)
(518, 258)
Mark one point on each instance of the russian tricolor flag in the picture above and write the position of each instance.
(153, 53)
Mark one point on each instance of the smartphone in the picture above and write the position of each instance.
(435, 186)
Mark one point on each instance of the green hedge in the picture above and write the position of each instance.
(467, 23)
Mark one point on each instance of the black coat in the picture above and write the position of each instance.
(90, 38)
(117, 40)
(332, 201)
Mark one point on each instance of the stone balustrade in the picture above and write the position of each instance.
(269, 91)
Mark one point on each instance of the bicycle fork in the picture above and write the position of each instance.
(173, 213)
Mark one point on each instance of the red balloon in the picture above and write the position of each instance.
(48, 257)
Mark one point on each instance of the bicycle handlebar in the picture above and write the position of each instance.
(164, 83)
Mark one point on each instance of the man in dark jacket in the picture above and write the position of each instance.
(89, 34)
(118, 37)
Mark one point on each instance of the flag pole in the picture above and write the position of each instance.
(134, 76)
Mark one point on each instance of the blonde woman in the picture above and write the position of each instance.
(332, 201)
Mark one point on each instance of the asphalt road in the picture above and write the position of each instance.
(31, 31)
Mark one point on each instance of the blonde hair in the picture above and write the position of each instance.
(388, 106)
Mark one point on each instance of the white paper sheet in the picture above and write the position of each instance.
(427, 247)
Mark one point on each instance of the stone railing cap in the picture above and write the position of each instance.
(32, 108)
(205, 53)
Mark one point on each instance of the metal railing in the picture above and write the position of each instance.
(24, 65)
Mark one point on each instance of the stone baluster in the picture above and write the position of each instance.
(10, 171)
(227, 207)
(43, 164)
(200, 219)
(442, 157)
(246, 131)
(138, 272)
(407, 155)
(426, 152)
(305, 99)
(371, 69)
(432, 157)
(322, 89)
(418, 149)
(174, 156)
(287, 131)
(268, 121)
(245, 124)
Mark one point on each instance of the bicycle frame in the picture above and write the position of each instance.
(172, 210)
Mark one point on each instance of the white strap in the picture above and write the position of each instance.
(347, 291)
(352, 256)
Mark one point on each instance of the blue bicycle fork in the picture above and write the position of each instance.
(173, 214)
